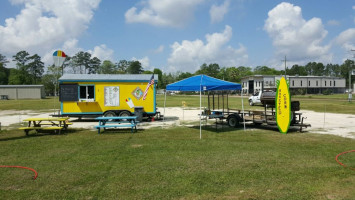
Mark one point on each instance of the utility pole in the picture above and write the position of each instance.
(350, 72)
(285, 64)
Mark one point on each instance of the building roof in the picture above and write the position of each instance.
(21, 86)
(107, 77)
(288, 76)
(334, 77)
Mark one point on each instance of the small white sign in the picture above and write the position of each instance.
(112, 96)
(130, 102)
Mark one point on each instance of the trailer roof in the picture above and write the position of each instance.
(108, 77)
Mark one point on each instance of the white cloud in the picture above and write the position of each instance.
(190, 55)
(333, 23)
(70, 48)
(102, 52)
(159, 49)
(43, 25)
(144, 61)
(294, 36)
(217, 12)
(346, 39)
(173, 13)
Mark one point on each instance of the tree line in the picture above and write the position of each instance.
(31, 70)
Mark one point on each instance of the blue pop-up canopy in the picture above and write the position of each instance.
(202, 83)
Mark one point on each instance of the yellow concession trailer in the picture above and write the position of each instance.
(85, 95)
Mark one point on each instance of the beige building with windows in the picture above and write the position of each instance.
(305, 84)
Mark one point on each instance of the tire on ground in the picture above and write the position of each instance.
(110, 114)
(233, 120)
(124, 113)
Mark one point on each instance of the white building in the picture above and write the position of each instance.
(307, 84)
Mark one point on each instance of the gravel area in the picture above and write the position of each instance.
(323, 123)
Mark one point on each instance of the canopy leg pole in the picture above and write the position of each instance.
(241, 92)
(164, 108)
(200, 115)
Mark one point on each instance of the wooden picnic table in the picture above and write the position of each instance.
(115, 122)
(46, 123)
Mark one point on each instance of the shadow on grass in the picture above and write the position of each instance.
(112, 131)
(42, 133)
(217, 129)
(223, 128)
(84, 120)
(19, 137)
(167, 119)
(291, 130)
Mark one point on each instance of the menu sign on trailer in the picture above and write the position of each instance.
(112, 96)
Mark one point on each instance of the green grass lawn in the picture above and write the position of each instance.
(175, 164)
(327, 103)
(48, 103)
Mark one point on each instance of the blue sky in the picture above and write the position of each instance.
(179, 35)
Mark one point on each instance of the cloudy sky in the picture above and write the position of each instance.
(181, 35)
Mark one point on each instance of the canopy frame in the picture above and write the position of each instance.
(202, 83)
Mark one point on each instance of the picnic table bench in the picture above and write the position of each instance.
(116, 122)
(49, 123)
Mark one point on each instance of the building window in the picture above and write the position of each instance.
(334, 83)
(316, 83)
(87, 92)
(330, 82)
(309, 83)
(293, 83)
(325, 83)
(301, 83)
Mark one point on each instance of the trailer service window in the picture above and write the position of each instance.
(87, 91)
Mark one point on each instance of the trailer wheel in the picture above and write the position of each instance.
(251, 102)
(124, 114)
(110, 114)
(233, 121)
